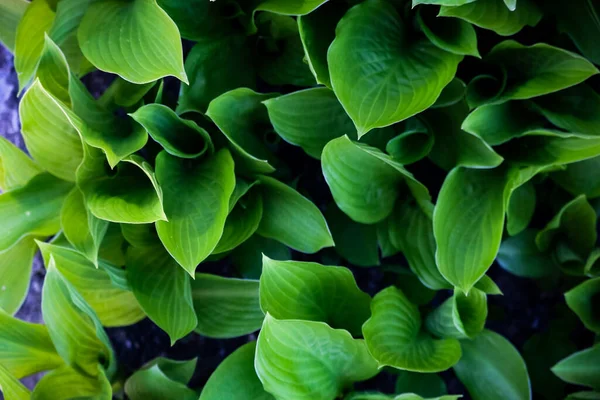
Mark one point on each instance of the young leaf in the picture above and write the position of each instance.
(392, 81)
(581, 368)
(492, 369)
(520, 256)
(15, 272)
(460, 316)
(235, 378)
(394, 336)
(226, 307)
(16, 168)
(163, 290)
(450, 34)
(136, 40)
(452, 94)
(313, 292)
(196, 199)
(291, 218)
(583, 300)
(65, 382)
(10, 386)
(289, 366)
(411, 145)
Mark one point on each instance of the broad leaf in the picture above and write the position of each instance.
(313, 292)
(395, 337)
(520, 256)
(452, 94)
(580, 178)
(66, 383)
(391, 81)
(581, 368)
(450, 34)
(583, 301)
(148, 45)
(10, 386)
(16, 168)
(199, 19)
(292, 367)
(248, 257)
(460, 316)
(414, 143)
(12, 12)
(153, 382)
(405, 396)
(15, 272)
(226, 307)
(492, 369)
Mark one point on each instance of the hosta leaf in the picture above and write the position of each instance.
(83, 230)
(282, 7)
(196, 198)
(411, 232)
(291, 218)
(12, 12)
(215, 66)
(226, 307)
(128, 195)
(405, 396)
(495, 16)
(113, 306)
(452, 93)
(50, 138)
(384, 238)
(148, 45)
(581, 368)
(198, 19)
(179, 137)
(492, 369)
(235, 378)
(124, 94)
(488, 286)
(53, 71)
(309, 118)
(67, 383)
(313, 292)
(33, 209)
(583, 300)
(248, 257)
(74, 326)
(355, 242)
(411, 145)
(410, 72)
(365, 182)
(15, 272)
(580, 178)
(163, 290)
(10, 386)
(242, 222)
(546, 150)
(521, 207)
(428, 385)
(151, 382)
(442, 2)
(112, 248)
(242, 118)
(520, 256)
(411, 286)
(460, 316)
(395, 338)
(292, 367)
(450, 34)
(16, 168)
(26, 348)
(583, 396)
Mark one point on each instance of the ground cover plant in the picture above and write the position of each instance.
(336, 181)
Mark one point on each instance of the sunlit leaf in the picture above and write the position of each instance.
(10, 386)
(15, 272)
(65, 382)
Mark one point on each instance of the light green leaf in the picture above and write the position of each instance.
(235, 378)
(11, 12)
(148, 45)
(16, 168)
(583, 301)
(242, 222)
(291, 367)
(313, 292)
(32, 210)
(248, 257)
(66, 383)
(196, 198)
(179, 137)
(163, 290)
(25, 348)
(74, 326)
(53, 71)
(495, 16)
(83, 230)
(395, 338)
(492, 369)
(488, 286)
(291, 218)
(389, 82)
(309, 118)
(581, 368)
(365, 182)
(153, 382)
(242, 118)
(226, 307)
(15, 272)
(450, 34)
(520, 256)
(10, 386)
(460, 316)
(521, 207)
(427, 385)
(405, 396)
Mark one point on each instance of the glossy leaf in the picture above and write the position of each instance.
(583, 301)
(395, 337)
(581, 368)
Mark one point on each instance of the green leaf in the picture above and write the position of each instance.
(16, 168)
(460, 316)
(451, 94)
(520, 256)
(521, 207)
(136, 40)
(15, 272)
(67, 383)
(442, 2)
(488, 286)
(394, 336)
(384, 238)
(583, 300)
(549, 149)
(242, 118)
(50, 138)
(411, 286)
(83, 230)
(290, 367)
(410, 72)
(74, 326)
(291, 218)
(153, 382)
(163, 290)
(226, 307)
(313, 292)
(428, 385)
(282, 7)
(411, 145)
(369, 200)
(53, 71)
(235, 378)
(112, 247)
(492, 369)
(128, 195)
(10, 386)
(495, 16)
(580, 178)
(215, 66)
(584, 396)
(248, 257)
(199, 19)
(196, 199)
(32, 210)
(124, 94)
(581, 368)
(11, 13)
(242, 222)
(25, 348)
(309, 118)
(411, 232)
(450, 34)
(113, 306)
(405, 396)
(179, 137)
